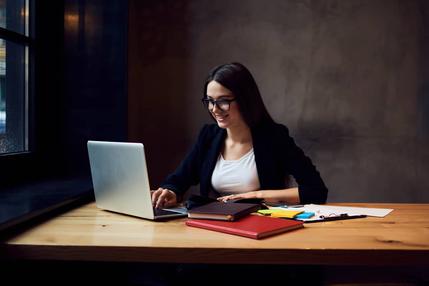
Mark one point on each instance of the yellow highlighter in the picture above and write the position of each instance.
(269, 211)
(286, 214)
(280, 213)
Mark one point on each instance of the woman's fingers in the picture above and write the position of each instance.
(155, 195)
(227, 198)
(248, 195)
(163, 198)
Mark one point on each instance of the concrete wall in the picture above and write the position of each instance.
(346, 77)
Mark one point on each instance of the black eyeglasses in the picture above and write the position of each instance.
(222, 104)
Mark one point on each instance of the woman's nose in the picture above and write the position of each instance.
(216, 109)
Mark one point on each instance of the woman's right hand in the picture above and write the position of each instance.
(163, 198)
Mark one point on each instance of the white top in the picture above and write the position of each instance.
(236, 176)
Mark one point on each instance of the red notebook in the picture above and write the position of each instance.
(252, 226)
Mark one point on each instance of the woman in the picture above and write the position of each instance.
(245, 154)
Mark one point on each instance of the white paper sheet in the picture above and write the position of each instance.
(327, 210)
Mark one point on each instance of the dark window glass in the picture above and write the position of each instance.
(14, 67)
(13, 15)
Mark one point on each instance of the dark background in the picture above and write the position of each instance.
(349, 79)
(80, 92)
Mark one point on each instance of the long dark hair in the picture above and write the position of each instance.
(238, 79)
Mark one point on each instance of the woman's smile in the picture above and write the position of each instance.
(221, 118)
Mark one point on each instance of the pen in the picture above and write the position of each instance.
(339, 217)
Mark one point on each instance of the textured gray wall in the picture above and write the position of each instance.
(347, 77)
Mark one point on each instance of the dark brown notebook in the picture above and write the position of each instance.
(223, 211)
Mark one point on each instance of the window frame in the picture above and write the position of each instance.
(25, 40)
(18, 166)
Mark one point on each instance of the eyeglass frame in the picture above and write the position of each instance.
(206, 101)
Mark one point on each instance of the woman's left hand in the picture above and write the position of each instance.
(248, 195)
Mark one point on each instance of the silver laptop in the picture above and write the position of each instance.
(120, 180)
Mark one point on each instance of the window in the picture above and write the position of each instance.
(15, 44)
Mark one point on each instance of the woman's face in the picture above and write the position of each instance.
(225, 118)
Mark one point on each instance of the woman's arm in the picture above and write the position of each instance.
(289, 196)
(311, 187)
(187, 173)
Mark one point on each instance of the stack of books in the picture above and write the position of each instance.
(236, 218)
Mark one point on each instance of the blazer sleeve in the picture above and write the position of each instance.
(311, 187)
(188, 172)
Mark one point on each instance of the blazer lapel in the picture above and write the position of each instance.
(258, 150)
(265, 158)
(210, 162)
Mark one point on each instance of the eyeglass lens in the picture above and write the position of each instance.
(221, 104)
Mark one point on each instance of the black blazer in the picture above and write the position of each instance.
(276, 156)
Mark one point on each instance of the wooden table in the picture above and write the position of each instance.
(90, 234)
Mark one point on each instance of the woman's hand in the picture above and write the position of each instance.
(248, 195)
(289, 196)
(163, 198)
